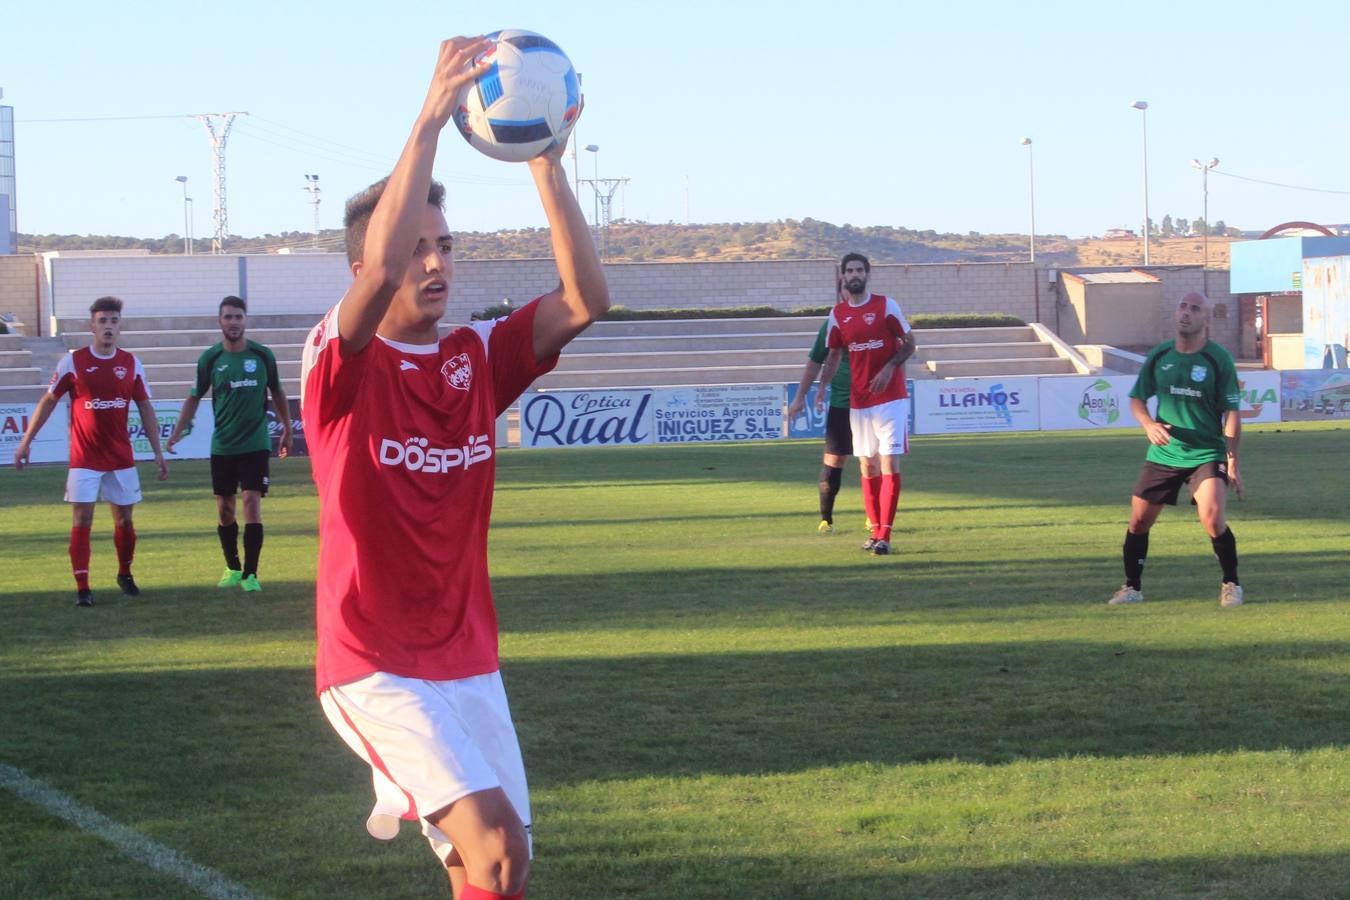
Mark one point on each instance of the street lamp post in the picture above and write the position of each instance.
(1031, 168)
(187, 229)
(1142, 106)
(1204, 234)
(595, 187)
(595, 148)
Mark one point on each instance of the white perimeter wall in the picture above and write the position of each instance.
(311, 283)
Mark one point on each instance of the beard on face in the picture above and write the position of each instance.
(854, 285)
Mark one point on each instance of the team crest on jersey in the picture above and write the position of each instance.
(250, 365)
(869, 318)
(120, 372)
(458, 372)
(1198, 373)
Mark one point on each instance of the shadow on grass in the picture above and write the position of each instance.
(729, 713)
(773, 712)
(1291, 876)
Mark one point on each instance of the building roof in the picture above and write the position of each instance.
(1134, 276)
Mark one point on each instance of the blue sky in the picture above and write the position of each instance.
(868, 113)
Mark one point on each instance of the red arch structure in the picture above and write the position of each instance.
(1289, 226)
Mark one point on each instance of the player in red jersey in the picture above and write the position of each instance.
(102, 381)
(879, 340)
(401, 426)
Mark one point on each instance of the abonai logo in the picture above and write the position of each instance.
(416, 455)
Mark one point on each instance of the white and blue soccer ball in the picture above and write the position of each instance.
(526, 102)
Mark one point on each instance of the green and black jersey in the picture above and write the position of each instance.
(1194, 390)
(842, 383)
(238, 383)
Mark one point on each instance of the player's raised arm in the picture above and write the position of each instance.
(582, 296)
(392, 235)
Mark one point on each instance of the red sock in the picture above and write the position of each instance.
(890, 499)
(124, 539)
(871, 491)
(476, 893)
(79, 556)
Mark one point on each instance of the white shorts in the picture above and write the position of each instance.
(120, 486)
(429, 743)
(880, 430)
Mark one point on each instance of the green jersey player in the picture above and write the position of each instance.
(239, 374)
(1193, 439)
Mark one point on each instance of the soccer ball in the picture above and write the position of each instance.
(525, 103)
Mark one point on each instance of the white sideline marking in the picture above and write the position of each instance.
(166, 860)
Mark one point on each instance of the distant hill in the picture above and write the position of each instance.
(784, 239)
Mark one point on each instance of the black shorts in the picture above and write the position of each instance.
(1162, 484)
(838, 434)
(241, 471)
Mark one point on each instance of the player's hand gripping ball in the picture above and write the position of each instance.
(525, 103)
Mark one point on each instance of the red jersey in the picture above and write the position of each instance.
(101, 389)
(871, 331)
(402, 442)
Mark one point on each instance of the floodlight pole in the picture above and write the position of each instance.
(1142, 106)
(187, 229)
(1031, 168)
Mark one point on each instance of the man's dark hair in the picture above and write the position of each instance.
(361, 206)
(855, 257)
(237, 302)
(105, 304)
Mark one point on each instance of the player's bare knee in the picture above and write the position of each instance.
(502, 860)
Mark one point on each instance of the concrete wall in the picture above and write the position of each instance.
(1158, 321)
(177, 285)
(311, 283)
(19, 290)
(1122, 314)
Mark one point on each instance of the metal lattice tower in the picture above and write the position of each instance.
(221, 213)
(605, 189)
(312, 186)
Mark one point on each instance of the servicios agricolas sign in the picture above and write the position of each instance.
(611, 418)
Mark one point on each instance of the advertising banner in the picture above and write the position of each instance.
(1326, 312)
(598, 418)
(1260, 396)
(812, 424)
(274, 428)
(1086, 402)
(1314, 394)
(964, 405)
(196, 444)
(52, 443)
(724, 412)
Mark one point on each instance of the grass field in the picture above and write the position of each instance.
(715, 702)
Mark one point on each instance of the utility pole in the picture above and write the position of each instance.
(1204, 180)
(313, 188)
(222, 215)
